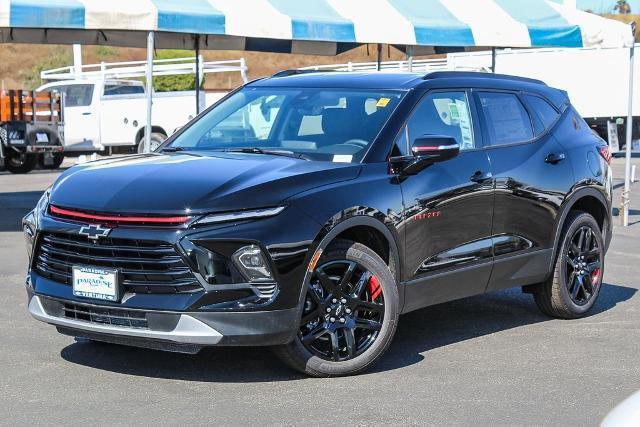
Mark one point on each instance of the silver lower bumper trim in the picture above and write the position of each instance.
(188, 330)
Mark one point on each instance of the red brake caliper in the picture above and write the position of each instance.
(595, 276)
(374, 288)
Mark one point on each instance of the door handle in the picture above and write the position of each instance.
(554, 158)
(86, 113)
(480, 177)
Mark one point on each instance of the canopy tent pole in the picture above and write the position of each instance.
(77, 60)
(197, 75)
(627, 163)
(493, 60)
(410, 58)
(149, 89)
(378, 65)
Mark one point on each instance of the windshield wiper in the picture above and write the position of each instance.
(257, 150)
(172, 149)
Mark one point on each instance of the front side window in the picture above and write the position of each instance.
(442, 113)
(507, 120)
(319, 124)
(75, 95)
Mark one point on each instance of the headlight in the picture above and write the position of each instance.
(252, 264)
(240, 215)
(31, 221)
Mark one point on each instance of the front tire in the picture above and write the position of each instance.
(349, 316)
(577, 276)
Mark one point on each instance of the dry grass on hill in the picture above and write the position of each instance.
(19, 62)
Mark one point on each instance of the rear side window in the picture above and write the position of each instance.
(507, 120)
(543, 109)
(122, 90)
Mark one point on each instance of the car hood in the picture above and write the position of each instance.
(180, 182)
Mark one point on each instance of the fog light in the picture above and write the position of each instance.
(252, 264)
(211, 266)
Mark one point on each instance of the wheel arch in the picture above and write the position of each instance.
(352, 228)
(154, 129)
(591, 201)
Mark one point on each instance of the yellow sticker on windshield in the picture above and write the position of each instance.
(382, 102)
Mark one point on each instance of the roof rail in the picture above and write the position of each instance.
(285, 73)
(471, 74)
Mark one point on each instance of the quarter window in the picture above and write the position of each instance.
(443, 113)
(507, 120)
(545, 111)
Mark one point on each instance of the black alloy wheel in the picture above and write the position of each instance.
(584, 268)
(349, 313)
(576, 280)
(343, 311)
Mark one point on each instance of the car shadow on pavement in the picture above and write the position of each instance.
(418, 332)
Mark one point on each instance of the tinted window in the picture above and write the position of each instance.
(123, 90)
(507, 120)
(443, 113)
(545, 111)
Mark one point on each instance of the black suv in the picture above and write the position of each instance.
(307, 211)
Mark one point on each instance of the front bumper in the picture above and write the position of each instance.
(173, 331)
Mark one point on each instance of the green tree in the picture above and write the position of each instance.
(175, 83)
(60, 57)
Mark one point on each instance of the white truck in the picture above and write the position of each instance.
(597, 79)
(103, 110)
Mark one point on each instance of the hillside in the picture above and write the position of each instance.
(20, 65)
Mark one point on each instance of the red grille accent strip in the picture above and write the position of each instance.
(114, 219)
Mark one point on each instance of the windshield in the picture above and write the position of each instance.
(317, 124)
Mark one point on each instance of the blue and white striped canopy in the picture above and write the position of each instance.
(308, 26)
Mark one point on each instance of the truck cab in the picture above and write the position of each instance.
(88, 126)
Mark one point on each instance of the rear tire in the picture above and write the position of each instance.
(19, 162)
(157, 139)
(356, 338)
(57, 161)
(575, 284)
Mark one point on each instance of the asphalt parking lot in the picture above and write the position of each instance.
(492, 359)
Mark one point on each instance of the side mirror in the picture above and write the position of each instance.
(427, 150)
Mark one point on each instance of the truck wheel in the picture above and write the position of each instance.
(57, 161)
(575, 283)
(157, 139)
(349, 315)
(20, 162)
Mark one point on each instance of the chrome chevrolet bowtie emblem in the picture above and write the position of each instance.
(94, 232)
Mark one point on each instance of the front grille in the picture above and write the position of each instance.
(144, 266)
(106, 316)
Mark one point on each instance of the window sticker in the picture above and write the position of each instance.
(465, 125)
(342, 158)
(453, 111)
(383, 102)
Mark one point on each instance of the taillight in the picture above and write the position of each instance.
(605, 152)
